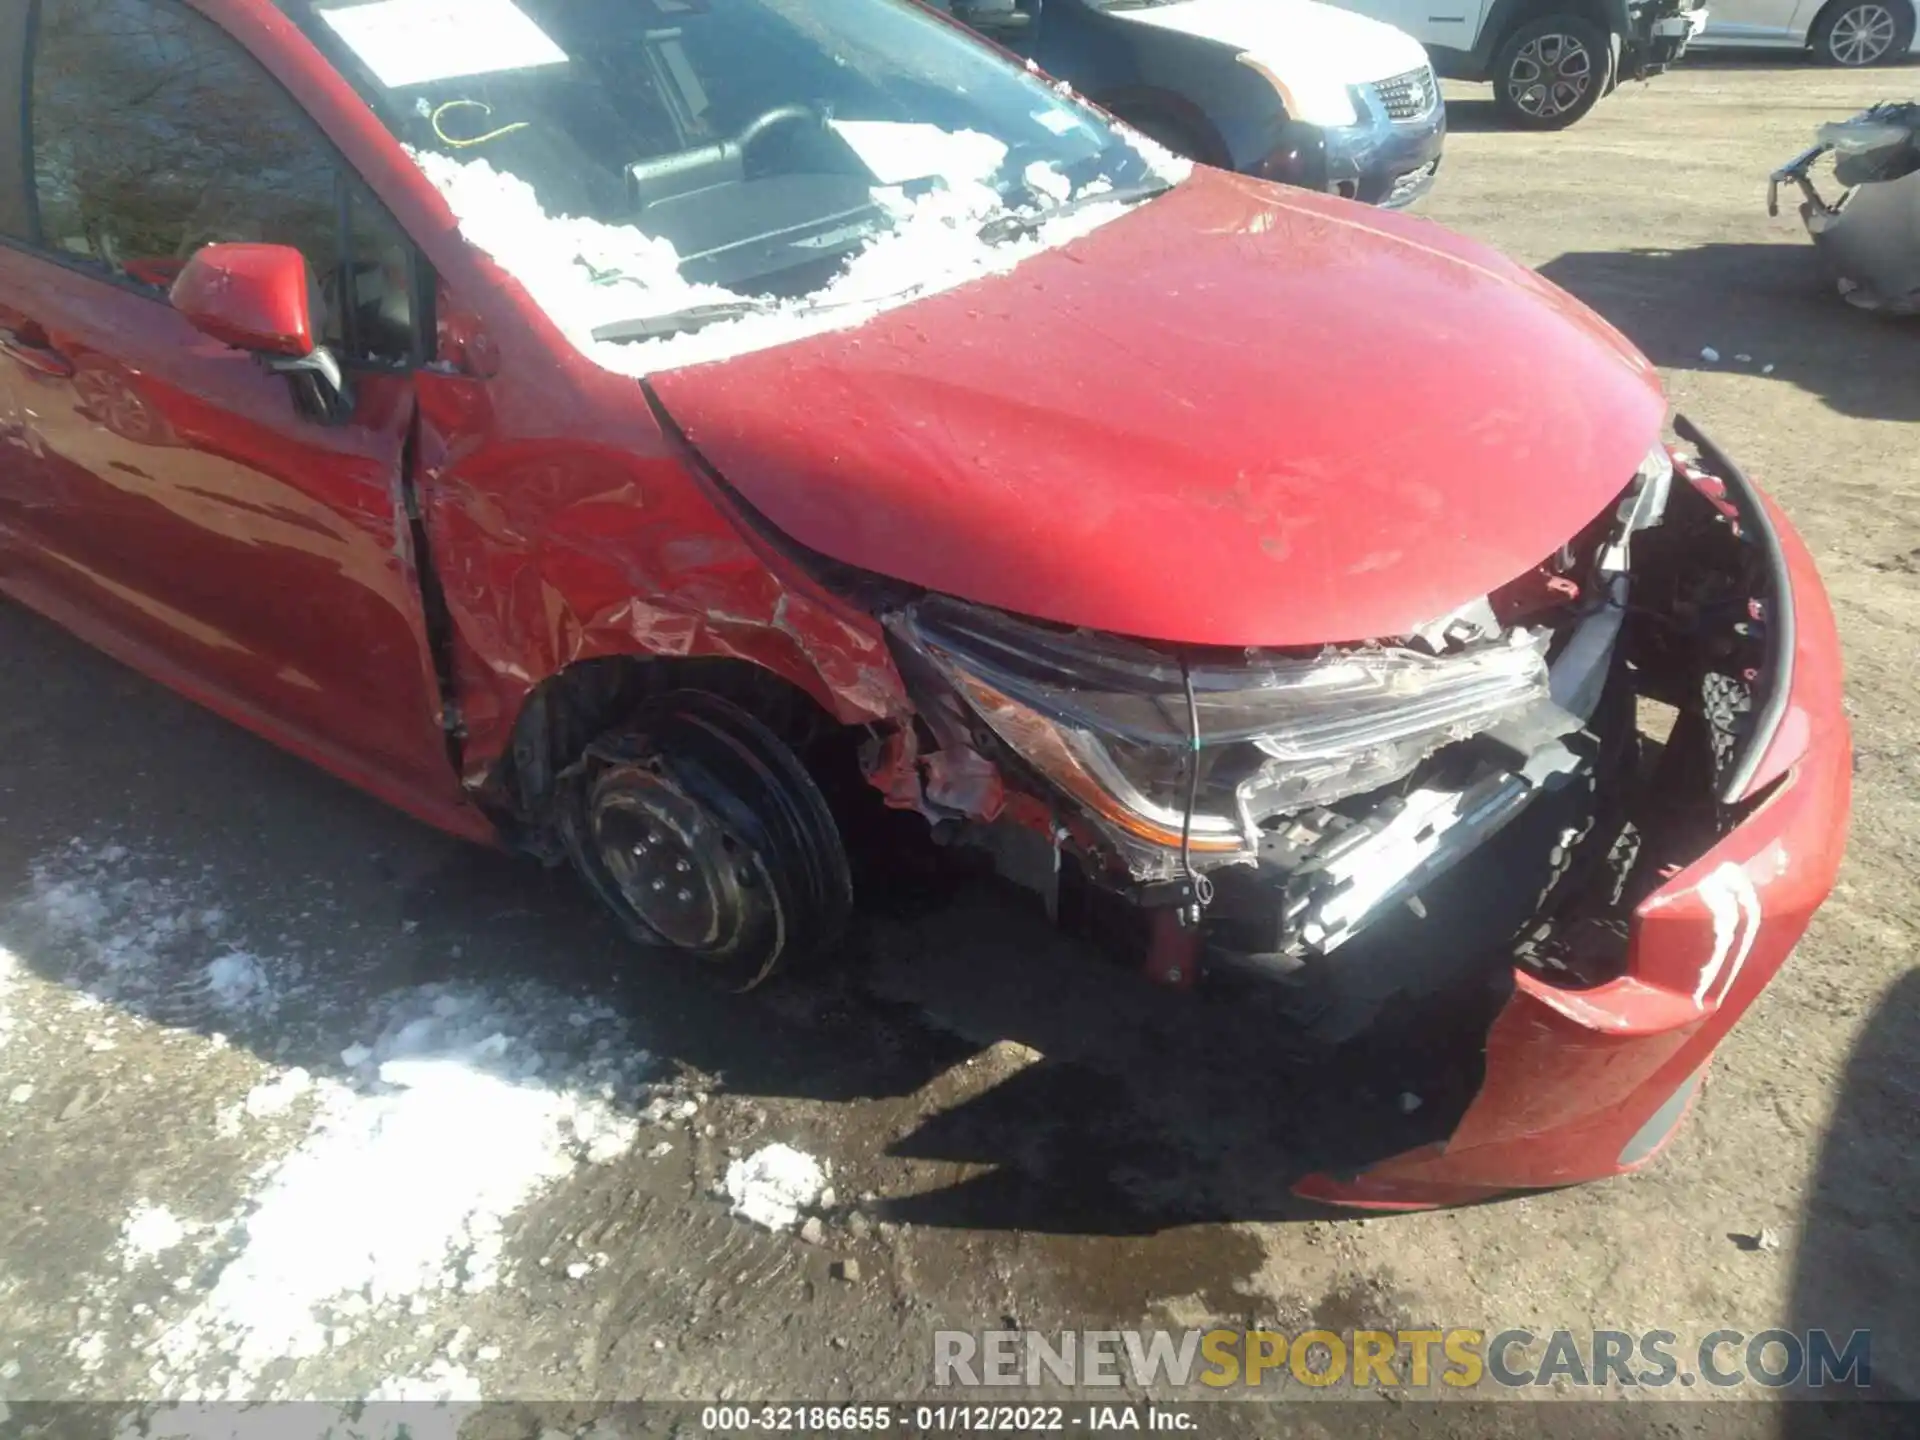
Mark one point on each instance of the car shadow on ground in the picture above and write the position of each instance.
(1473, 115)
(1755, 306)
(1853, 1270)
(956, 1026)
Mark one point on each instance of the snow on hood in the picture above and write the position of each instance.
(587, 274)
(1301, 41)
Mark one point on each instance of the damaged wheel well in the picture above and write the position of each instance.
(572, 708)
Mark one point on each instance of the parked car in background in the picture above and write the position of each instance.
(1550, 61)
(1839, 32)
(1288, 90)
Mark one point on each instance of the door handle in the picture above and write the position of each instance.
(42, 358)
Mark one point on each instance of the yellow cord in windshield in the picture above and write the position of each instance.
(455, 143)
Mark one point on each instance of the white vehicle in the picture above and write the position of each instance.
(1839, 32)
(1550, 61)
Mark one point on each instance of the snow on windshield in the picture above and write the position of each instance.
(586, 274)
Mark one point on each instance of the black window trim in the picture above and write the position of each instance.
(16, 209)
(20, 227)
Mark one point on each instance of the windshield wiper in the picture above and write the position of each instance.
(1006, 227)
(679, 322)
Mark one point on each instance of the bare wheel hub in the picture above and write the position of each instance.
(682, 878)
(702, 832)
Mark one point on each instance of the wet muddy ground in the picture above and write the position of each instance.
(1017, 1134)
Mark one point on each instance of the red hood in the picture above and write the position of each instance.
(1238, 415)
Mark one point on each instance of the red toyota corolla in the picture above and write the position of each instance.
(647, 432)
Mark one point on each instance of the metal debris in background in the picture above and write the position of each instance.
(1869, 237)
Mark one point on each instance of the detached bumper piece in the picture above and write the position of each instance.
(1589, 1076)
(1868, 236)
(1661, 32)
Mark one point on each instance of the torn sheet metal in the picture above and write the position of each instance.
(952, 781)
(578, 544)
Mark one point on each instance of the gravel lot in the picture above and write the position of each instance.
(210, 950)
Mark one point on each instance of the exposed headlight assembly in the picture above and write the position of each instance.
(1107, 719)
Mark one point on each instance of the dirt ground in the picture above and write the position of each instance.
(1017, 1134)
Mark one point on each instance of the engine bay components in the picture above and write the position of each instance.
(1338, 782)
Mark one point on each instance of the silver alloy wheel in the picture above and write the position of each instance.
(1862, 35)
(1550, 75)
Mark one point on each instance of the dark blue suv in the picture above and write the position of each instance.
(1289, 90)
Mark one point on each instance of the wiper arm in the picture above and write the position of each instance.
(678, 322)
(1006, 227)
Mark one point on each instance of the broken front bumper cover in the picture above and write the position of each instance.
(1658, 34)
(1584, 1083)
(1869, 235)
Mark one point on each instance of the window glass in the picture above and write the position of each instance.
(155, 133)
(763, 140)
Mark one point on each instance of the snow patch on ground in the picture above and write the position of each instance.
(277, 1096)
(238, 981)
(586, 274)
(387, 1170)
(128, 934)
(773, 1185)
(149, 1232)
(459, 1113)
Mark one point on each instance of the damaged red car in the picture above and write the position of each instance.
(647, 434)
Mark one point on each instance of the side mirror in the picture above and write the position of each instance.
(259, 298)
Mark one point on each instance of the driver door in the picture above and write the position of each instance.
(165, 497)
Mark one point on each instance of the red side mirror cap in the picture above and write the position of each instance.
(254, 297)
